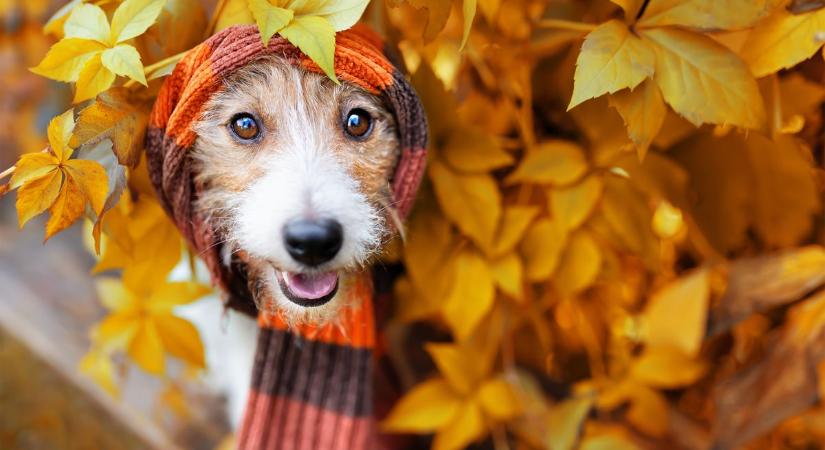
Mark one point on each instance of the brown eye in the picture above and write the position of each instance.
(358, 123)
(244, 126)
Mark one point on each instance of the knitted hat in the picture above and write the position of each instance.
(359, 59)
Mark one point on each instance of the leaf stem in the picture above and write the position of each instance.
(7, 172)
(559, 24)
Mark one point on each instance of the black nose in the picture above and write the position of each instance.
(313, 241)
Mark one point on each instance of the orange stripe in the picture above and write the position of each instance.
(354, 326)
(285, 424)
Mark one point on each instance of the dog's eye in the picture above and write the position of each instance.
(245, 126)
(358, 123)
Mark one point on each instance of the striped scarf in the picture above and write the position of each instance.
(312, 386)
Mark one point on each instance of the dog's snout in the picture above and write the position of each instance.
(313, 241)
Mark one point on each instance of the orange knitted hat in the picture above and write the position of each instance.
(359, 59)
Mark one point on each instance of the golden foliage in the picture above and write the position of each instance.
(619, 241)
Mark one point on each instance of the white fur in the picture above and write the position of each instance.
(305, 182)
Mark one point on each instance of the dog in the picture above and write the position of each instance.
(296, 175)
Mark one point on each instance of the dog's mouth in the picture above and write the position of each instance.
(308, 289)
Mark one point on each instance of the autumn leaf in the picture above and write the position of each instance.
(55, 182)
(270, 19)
(708, 14)
(472, 202)
(315, 36)
(144, 325)
(611, 59)
(676, 315)
(471, 297)
(113, 115)
(427, 407)
(782, 41)
(572, 205)
(93, 52)
(542, 247)
(643, 111)
(579, 265)
(553, 162)
(470, 150)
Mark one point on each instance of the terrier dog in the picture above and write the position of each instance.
(295, 172)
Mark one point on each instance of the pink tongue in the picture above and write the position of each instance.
(311, 286)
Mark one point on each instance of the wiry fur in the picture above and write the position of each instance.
(303, 166)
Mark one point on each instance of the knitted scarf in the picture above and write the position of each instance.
(312, 386)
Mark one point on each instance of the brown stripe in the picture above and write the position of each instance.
(331, 376)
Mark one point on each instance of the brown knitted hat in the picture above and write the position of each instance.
(359, 59)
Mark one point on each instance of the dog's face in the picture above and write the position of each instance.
(295, 173)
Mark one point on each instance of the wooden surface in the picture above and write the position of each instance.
(47, 304)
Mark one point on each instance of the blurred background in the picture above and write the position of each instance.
(48, 302)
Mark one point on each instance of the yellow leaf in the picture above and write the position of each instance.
(133, 17)
(571, 206)
(428, 254)
(234, 12)
(498, 399)
(99, 367)
(472, 296)
(708, 14)
(341, 14)
(270, 19)
(553, 162)
(66, 209)
(470, 150)
(91, 178)
(32, 166)
(542, 247)
(37, 196)
(116, 116)
(60, 132)
(782, 41)
(508, 274)
(438, 11)
(116, 331)
(169, 295)
(146, 348)
(87, 21)
(643, 111)
(466, 427)
(564, 422)
(54, 25)
(472, 202)
(114, 295)
(93, 79)
(514, 223)
(427, 407)
(649, 411)
(704, 81)
(666, 368)
(629, 219)
(65, 60)
(124, 60)
(468, 7)
(461, 368)
(181, 339)
(579, 265)
(676, 315)
(612, 58)
(316, 38)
